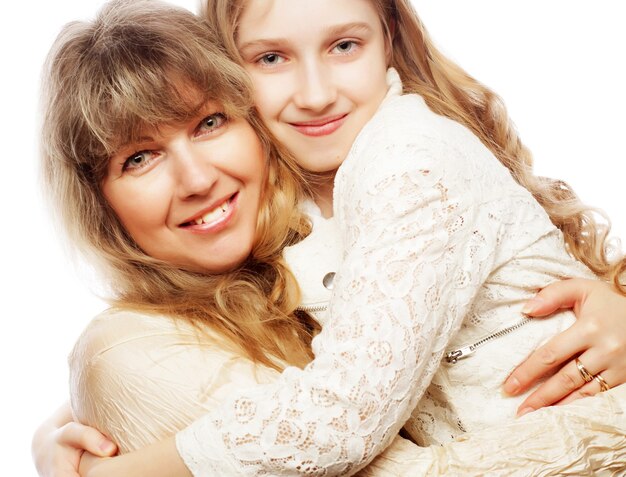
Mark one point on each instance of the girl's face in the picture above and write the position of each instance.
(319, 72)
(190, 194)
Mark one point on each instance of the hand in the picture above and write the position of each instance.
(597, 338)
(59, 443)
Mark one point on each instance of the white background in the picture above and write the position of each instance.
(559, 66)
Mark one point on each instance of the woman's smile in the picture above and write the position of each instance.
(214, 218)
(191, 194)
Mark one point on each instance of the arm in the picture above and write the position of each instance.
(413, 264)
(160, 458)
(418, 247)
(547, 440)
(59, 443)
(598, 338)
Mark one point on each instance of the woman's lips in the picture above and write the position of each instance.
(320, 127)
(214, 220)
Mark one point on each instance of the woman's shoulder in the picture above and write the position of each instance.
(123, 340)
(138, 375)
(118, 331)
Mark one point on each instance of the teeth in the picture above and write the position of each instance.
(213, 214)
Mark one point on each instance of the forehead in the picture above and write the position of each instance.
(277, 18)
(171, 108)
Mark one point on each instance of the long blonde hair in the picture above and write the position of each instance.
(104, 81)
(450, 91)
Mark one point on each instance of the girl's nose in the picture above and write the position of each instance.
(315, 88)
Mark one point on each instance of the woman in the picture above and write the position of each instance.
(136, 161)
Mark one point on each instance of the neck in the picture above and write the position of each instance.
(323, 193)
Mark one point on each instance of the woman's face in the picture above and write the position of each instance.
(190, 194)
(319, 72)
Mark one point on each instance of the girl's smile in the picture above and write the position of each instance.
(320, 127)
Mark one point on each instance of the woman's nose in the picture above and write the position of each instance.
(315, 89)
(195, 173)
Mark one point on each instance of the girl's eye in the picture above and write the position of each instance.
(345, 46)
(139, 160)
(211, 123)
(270, 59)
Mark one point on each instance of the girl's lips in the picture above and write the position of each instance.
(322, 127)
(218, 224)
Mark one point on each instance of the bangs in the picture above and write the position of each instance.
(140, 69)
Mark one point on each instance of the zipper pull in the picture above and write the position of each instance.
(453, 356)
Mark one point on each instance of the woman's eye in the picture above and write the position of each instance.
(271, 59)
(345, 46)
(211, 123)
(139, 160)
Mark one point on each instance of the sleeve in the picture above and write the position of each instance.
(139, 379)
(419, 238)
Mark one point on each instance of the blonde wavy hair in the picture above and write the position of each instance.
(450, 91)
(104, 82)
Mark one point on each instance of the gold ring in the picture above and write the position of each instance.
(603, 384)
(586, 375)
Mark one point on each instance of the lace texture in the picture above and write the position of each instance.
(427, 216)
(138, 378)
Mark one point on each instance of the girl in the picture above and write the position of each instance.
(379, 353)
(425, 207)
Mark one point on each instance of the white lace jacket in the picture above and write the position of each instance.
(437, 237)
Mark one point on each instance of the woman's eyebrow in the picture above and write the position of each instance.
(133, 144)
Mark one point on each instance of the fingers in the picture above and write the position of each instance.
(545, 360)
(562, 294)
(589, 389)
(86, 438)
(567, 384)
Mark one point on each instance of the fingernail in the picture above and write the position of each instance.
(526, 410)
(532, 305)
(511, 386)
(107, 446)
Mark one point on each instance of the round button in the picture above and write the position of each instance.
(328, 280)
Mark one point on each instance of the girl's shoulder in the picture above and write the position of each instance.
(406, 139)
(408, 119)
(406, 134)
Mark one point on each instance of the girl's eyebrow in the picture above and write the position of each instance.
(334, 30)
(352, 27)
(262, 43)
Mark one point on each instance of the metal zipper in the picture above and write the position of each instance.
(312, 308)
(453, 356)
